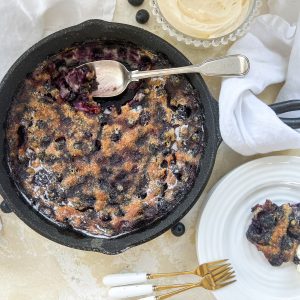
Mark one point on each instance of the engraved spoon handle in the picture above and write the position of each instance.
(227, 66)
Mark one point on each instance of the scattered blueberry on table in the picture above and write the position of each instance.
(178, 229)
(136, 2)
(142, 16)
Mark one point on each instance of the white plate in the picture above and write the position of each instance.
(225, 219)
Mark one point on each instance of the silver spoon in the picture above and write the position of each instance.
(113, 77)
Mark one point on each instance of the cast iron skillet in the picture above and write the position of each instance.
(92, 30)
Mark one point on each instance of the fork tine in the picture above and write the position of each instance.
(220, 269)
(216, 267)
(225, 278)
(221, 285)
(216, 262)
(223, 275)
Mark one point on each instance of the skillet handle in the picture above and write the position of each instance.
(287, 106)
(278, 108)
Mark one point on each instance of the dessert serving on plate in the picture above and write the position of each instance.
(275, 230)
(104, 171)
(274, 226)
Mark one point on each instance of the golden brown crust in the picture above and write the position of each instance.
(104, 171)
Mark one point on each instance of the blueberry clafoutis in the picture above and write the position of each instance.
(275, 230)
(104, 171)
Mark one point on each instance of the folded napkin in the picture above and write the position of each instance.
(24, 22)
(273, 46)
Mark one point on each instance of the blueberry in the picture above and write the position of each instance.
(144, 118)
(141, 141)
(122, 52)
(66, 121)
(122, 175)
(113, 200)
(88, 134)
(47, 98)
(46, 141)
(178, 229)
(61, 142)
(145, 62)
(41, 124)
(119, 212)
(163, 206)
(177, 172)
(97, 145)
(42, 178)
(164, 164)
(106, 217)
(90, 200)
(153, 149)
(150, 211)
(136, 2)
(55, 195)
(22, 135)
(142, 16)
(78, 145)
(266, 220)
(166, 152)
(142, 195)
(286, 243)
(116, 159)
(104, 184)
(136, 155)
(178, 175)
(164, 188)
(116, 136)
(71, 96)
(183, 112)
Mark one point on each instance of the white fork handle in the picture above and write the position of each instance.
(124, 279)
(128, 291)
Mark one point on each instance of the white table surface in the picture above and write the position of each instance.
(32, 267)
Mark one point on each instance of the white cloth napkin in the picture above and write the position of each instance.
(24, 22)
(273, 46)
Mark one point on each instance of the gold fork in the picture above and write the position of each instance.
(131, 278)
(214, 280)
(201, 270)
(208, 282)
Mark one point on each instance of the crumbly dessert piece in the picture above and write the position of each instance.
(104, 171)
(275, 230)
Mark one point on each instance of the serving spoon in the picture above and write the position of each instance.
(113, 77)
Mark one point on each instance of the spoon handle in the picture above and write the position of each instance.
(227, 66)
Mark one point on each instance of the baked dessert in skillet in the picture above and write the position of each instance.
(275, 230)
(104, 170)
